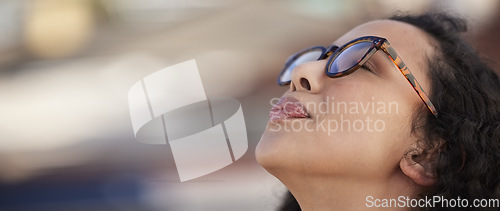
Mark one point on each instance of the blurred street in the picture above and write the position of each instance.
(66, 139)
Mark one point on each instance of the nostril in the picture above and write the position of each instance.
(305, 84)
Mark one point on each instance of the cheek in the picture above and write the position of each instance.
(362, 132)
(372, 129)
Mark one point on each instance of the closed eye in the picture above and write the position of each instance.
(367, 67)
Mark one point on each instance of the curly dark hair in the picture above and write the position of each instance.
(466, 93)
(464, 140)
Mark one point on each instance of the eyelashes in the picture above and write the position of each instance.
(370, 68)
(366, 68)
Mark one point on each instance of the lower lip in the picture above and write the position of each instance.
(277, 116)
(280, 115)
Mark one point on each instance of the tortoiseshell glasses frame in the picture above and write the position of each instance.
(350, 57)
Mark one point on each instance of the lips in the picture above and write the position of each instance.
(288, 108)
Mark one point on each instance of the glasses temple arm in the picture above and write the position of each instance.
(386, 47)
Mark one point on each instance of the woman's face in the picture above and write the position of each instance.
(356, 126)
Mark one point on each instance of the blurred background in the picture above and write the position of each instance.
(66, 140)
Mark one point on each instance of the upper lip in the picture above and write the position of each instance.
(290, 107)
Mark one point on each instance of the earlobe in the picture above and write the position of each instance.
(417, 172)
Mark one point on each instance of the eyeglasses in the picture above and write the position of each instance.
(350, 57)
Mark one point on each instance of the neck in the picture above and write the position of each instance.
(325, 193)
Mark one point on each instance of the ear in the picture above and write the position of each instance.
(419, 169)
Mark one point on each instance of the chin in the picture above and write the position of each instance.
(270, 149)
(265, 150)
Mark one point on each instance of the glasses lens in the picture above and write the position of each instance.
(301, 58)
(349, 57)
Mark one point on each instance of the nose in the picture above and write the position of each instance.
(308, 77)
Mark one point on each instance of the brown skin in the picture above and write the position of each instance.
(338, 171)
